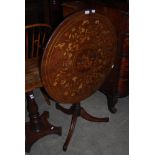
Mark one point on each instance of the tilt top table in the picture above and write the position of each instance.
(78, 57)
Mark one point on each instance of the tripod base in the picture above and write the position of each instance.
(76, 110)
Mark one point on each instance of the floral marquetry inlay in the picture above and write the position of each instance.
(78, 57)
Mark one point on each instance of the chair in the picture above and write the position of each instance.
(77, 59)
(36, 37)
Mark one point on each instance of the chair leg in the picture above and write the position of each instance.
(88, 117)
(71, 130)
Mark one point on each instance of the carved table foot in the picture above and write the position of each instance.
(112, 100)
(71, 130)
(91, 118)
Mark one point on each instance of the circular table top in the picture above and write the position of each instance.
(78, 57)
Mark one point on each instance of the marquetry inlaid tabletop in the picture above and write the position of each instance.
(79, 56)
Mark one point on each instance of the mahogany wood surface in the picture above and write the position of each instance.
(78, 57)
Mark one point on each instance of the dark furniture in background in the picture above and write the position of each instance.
(43, 11)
